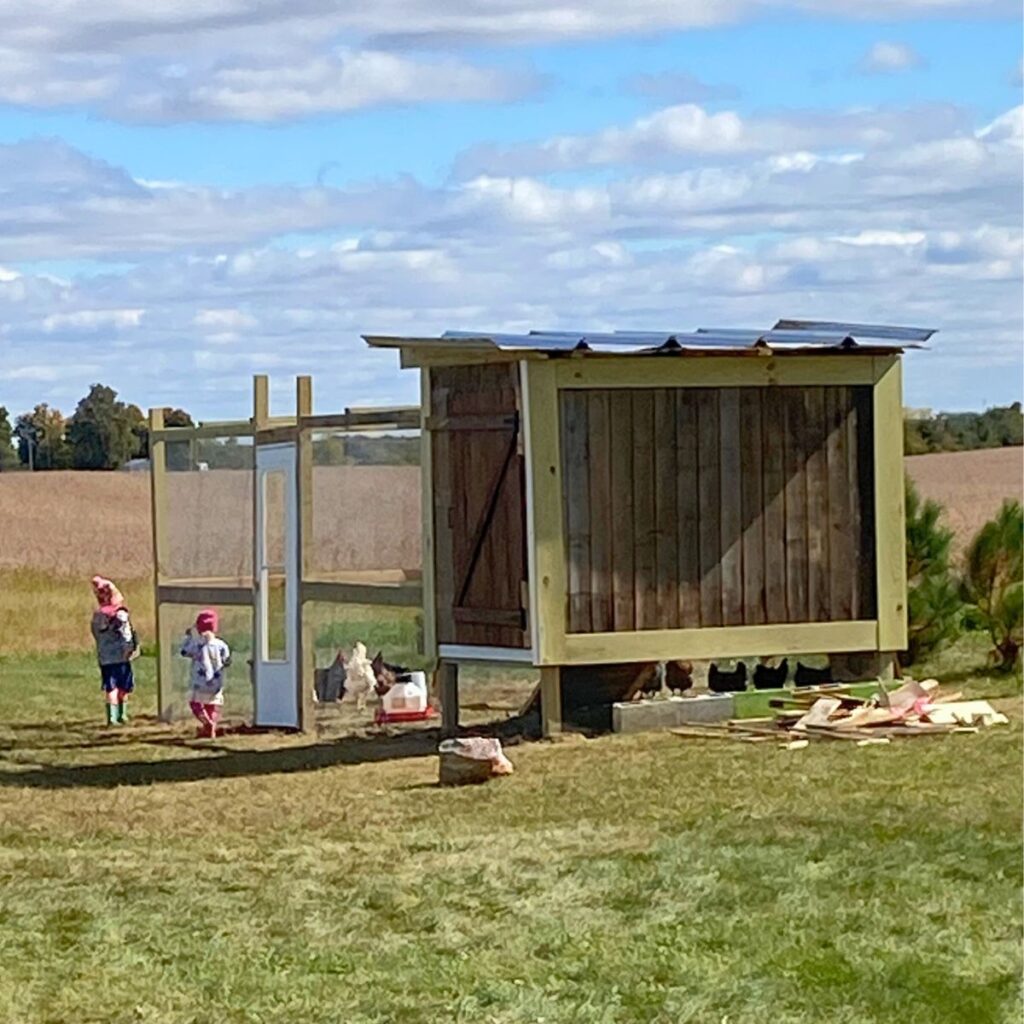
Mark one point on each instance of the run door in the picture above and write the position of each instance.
(275, 661)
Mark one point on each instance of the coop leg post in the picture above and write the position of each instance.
(551, 700)
(449, 675)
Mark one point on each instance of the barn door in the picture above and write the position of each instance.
(480, 515)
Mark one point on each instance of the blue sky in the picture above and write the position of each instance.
(190, 199)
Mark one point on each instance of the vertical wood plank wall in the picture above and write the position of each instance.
(694, 507)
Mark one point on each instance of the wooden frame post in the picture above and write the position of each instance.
(890, 513)
(448, 675)
(260, 421)
(158, 510)
(544, 525)
(305, 654)
(427, 515)
(551, 701)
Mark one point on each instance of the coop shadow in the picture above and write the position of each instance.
(228, 764)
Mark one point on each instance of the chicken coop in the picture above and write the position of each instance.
(286, 524)
(615, 499)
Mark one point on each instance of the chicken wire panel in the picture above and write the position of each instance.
(367, 522)
(235, 629)
(209, 510)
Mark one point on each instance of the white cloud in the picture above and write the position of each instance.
(223, 319)
(886, 58)
(93, 319)
(166, 60)
(687, 131)
(917, 229)
(332, 83)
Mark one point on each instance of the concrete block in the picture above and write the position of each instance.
(654, 715)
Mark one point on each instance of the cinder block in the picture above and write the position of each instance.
(654, 715)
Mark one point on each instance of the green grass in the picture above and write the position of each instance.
(148, 877)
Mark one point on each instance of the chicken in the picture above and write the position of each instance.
(720, 681)
(805, 675)
(385, 675)
(768, 678)
(360, 680)
(335, 688)
(678, 676)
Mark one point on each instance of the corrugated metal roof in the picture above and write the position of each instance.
(785, 336)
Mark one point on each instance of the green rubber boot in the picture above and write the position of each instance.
(121, 716)
(111, 714)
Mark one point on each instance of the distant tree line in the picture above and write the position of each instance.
(104, 433)
(998, 427)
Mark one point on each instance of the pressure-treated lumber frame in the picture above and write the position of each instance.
(263, 428)
(553, 645)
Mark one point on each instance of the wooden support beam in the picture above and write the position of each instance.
(545, 529)
(448, 672)
(166, 651)
(429, 637)
(715, 371)
(203, 594)
(718, 642)
(551, 700)
(158, 508)
(890, 526)
(305, 653)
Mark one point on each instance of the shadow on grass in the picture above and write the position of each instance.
(228, 763)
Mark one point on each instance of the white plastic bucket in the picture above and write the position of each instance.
(410, 694)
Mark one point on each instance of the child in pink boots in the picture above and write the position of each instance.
(210, 656)
(116, 647)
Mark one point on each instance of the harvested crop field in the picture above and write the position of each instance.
(71, 524)
(971, 485)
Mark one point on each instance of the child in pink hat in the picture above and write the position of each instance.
(117, 645)
(210, 656)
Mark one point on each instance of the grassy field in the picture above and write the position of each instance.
(149, 877)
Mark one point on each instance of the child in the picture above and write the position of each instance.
(116, 647)
(210, 656)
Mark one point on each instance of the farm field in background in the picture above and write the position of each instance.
(621, 880)
(61, 528)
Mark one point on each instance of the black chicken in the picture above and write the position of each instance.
(805, 675)
(768, 678)
(720, 681)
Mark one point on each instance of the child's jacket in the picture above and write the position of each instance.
(114, 636)
(209, 656)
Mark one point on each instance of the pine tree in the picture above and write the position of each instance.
(934, 604)
(993, 583)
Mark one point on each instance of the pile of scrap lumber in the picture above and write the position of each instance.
(833, 713)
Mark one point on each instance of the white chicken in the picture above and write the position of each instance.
(360, 680)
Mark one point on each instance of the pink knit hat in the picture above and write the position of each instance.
(106, 592)
(207, 621)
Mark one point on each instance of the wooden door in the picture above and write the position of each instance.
(479, 506)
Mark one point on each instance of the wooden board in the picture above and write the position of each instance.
(599, 445)
(644, 544)
(709, 498)
(576, 497)
(752, 506)
(796, 504)
(815, 447)
(666, 510)
(621, 511)
(687, 502)
(730, 507)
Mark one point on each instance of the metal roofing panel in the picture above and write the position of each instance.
(785, 336)
(888, 331)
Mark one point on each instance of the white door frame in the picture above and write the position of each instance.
(276, 682)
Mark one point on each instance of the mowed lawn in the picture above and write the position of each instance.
(149, 877)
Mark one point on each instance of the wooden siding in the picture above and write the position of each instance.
(717, 507)
(479, 506)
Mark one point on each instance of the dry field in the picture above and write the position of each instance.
(971, 485)
(77, 524)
